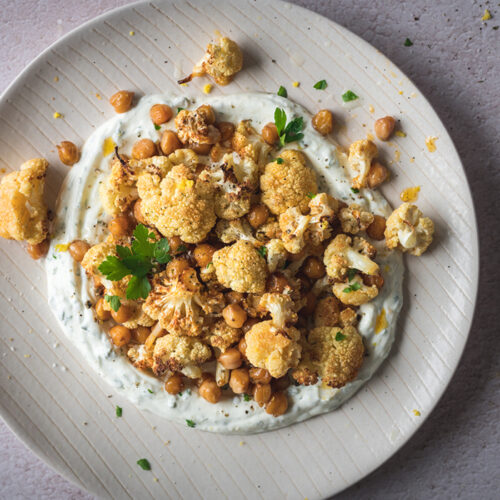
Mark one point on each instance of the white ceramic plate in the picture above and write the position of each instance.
(67, 415)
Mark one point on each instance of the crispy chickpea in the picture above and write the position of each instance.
(384, 127)
(123, 314)
(280, 384)
(294, 257)
(276, 283)
(226, 130)
(239, 381)
(323, 121)
(377, 174)
(138, 212)
(262, 394)
(190, 279)
(270, 133)
(143, 148)
(100, 311)
(327, 312)
(258, 215)
(310, 304)
(68, 152)
(313, 268)
(260, 376)
(230, 358)
(169, 142)
(121, 101)
(277, 405)
(242, 347)
(375, 279)
(248, 324)
(201, 149)
(203, 254)
(376, 229)
(78, 249)
(234, 315)
(120, 335)
(174, 383)
(176, 267)
(119, 226)
(141, 334)
(160, 113)
(209, 390)
(176, 244)
(39, 250)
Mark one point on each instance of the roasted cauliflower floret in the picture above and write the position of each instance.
(354, 219)
(224, 336)
(141, 357)
(327, 312)
(322, 212)
(178, 205)
(335, 354)
(355, 292)
(229, 231)
(294, 226)
(249, 144)
(138, 316)
(23, 213)
(344, 253)
(281, 307)
(196, 127)
(184, 156)
(269, 230)
(408, 231)
(241, 268)
(178, 353)
(276, 255)
(361, 155)
(275, 349)
(288, 184)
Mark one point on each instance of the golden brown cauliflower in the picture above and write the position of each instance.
(288, 184)
(275, 349)
(322, 211)
(141, 357)
(327, 312)
(276, 255)
(281, 307)
(196, 127)
(408, 231)
(23, 213)
(178, 353)
(185, 157)
(249, 144)
(361, 155)
(179, 204)
(354, 292)
(223, 336)
(294, 226)
(354, 219)
(229, 231)
(269, 230)
(241, 267)
(335, 354)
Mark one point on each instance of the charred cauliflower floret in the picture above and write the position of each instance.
(275, 349)
(354, 219)
(322, 212)
(276, 255)
(335, 354)
(344, 253)
(281, 307)
(178, 353)
(224, 336)
(179, 204)
(23, 213)
(408, 231)
(294, 226)
(269, 230)
(361, 155)
(288, 184)
(141, 357)
(229, 231)
(196, 127)
(249, 144)
(241, 268)
(327, 312)
(355, 292)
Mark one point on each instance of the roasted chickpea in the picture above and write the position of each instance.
(377, 228)
(174, 383)
(230, 358)
(259, 376)
(277, 405)
(208, 112)
(138, 212)
(141, 334)
(262, 394)
(160, 113)
(276, 283)
(258, 215)
(226, 130)
(190, 279)
(242, 347)
(270, 133)
(169, 142)
(176, 244)
(323, 121)
(217, 152)
(203, 254)
(374, 279)
(119, 226)
(176, 267)
(100, 311)
(294, 257)
(310, 304)
(78, 249)
(143, 148)
(68, 153)
(201, 149)
(234, 315)
(123, 314)
(239, 381)
(377, 174)
(121, 101)
(39, 250)
(209, 390)
(384, 127)
(314, 268)
(120, 335)
(248, 324)
(327, 312)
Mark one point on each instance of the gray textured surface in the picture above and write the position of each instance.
(455, 63)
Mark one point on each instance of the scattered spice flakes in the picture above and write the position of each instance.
(131, 33)
(349, 96)
(296, 84)
(56, 78)
(400, 92)
(62, 247)
(371, 109)
(207, 88)
(144, 464)
(119, 411)
(27, 355)
(486, 15)
(98, 96)
(410, 194)
(370, 136)
(57, 115)
(381, 322)
(408, 43)
(416, 413)
(400, 133)
(397, 155)
(155, 479)
(430, 142)
(184, 84)
(412, 159)
(190, 423)
(321, 85)
(242, 443)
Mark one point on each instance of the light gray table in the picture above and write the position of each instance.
(455, 62)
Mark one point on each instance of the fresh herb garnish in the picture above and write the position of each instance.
(355, 190)
(282, 92)
(144, 464)
(114, 301)
(119, 411)
(349, 96)
(179, 110)
(339, 336)
(157, 127)
(352, 288)
(279, 161)
(263, 251)
(246, 397)
(190, 423)
(311, 196)
(321, 85)
(351, 273)
(181, 249)
(408, 43)
(150, 391)
(145, 253)
(288, 132)
(209, 264)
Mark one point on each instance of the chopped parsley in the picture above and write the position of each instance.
(181, 249)
(209, 264)
(246, 397)
(144, 464)
(408, 43)
(321, 85)
(349, 96)
(282, 92)
(190, 423)
(150, 391)
(119, 411)
(311, 196)
(339, 336)
(355, 190)
(279, 161)
(351, 273)
(288, 132)
(157, 127)
(114, 301)
(352, 288)
(263, 251)
(179, 110)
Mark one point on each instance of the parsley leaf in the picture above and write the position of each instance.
(119, 411)
(279, 161)
(355, 190)
(293, 131)
(246, 397)
(181, 249)
(263, 251)
(150, 391)
(114, 301)
(138, 288)
(157, 127)
(282, 92)
(408, 43)
(179, 110)
(144, 464)
(279, 120)
(311, 196)
(321, 85)
(142, 244)
(351, 273)
(339, 336)
(349, 96)
(190, 423)
(113, 268)
(161, 251)
(352, 288)
(123, 252)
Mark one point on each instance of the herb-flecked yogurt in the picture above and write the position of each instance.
(80, 215)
